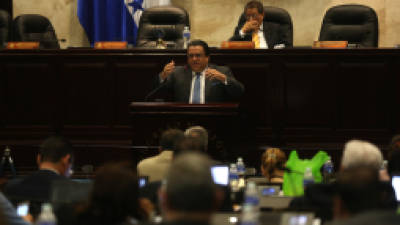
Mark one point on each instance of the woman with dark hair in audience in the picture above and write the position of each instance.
(114, 198)
(273, 162)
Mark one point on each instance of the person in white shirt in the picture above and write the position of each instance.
(263, 34)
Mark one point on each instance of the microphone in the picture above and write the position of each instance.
(155, 90)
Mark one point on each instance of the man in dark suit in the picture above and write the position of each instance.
(200, 82)
(54, 161)
(262, 33)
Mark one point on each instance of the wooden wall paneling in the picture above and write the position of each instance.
(3, 97)
(87, 97)
(364, 101)
(29, 93)
(134, 77)
(395, 105)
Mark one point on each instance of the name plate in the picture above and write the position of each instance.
(237, 45)
(330, 44)
(22, 45)
(111, 45)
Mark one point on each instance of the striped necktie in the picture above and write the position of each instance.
(255, 39)
(196, 89)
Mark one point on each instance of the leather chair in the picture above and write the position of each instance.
(33, 27)
(279, 17)
(165, 21)
(357, 24)
(4, 27)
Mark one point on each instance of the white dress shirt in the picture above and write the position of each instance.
(263, 41)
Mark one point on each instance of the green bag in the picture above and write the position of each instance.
(293, 181)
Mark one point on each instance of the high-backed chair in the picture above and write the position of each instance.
(33, 27)
(357, 24)
(4, 27)
(279, 20)
(165, 21)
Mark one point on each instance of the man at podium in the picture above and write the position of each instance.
(199, 82)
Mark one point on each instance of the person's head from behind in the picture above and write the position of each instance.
(254, 11)
(114, 197)
(272, 160)
(189, 191)
(198, 55)
(361, 153)
(357, 190)
(199, 134)
(394, 156)
(56, 153)
(170, 138)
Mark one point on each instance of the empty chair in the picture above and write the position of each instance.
(357, 24)
(166, 22)
(4, 27)
(33, 27)
(279, 23)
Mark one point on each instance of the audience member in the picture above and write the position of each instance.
(200, 133)
(157, 166)
(357, 153)
(199, 81)
(371, 218)
(8, 214)
(357, 190)
(255, 29)
(114, 197)
(189, 195)
(272, 165)
(55, 161)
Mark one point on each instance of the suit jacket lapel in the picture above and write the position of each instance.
(187, 83)
(268, 34)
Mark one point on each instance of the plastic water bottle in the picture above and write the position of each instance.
(46, 216)
(308, 177)
(328, 170)
(251, 209)
(186, 36)
(233, 178)
(240, 166)
(241, 172)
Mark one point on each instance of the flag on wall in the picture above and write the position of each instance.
(113, 20)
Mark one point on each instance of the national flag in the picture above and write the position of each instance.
(113, 20)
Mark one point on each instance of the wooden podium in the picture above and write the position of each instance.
(150, 119)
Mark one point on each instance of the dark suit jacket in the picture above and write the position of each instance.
(388, 217)
(272, 33)
(36, 186)
(179, 82)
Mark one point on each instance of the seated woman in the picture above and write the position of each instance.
(273, 161)
(114, 198)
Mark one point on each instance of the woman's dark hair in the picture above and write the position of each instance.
(114, 196)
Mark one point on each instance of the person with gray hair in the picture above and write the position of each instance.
(361, 153)
(199, 134)
(189, 195)
(356, 154)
